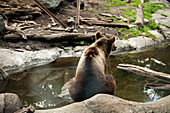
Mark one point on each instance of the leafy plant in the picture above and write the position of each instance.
(131, 13)
(164, 15)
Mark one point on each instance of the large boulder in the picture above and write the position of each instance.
(50, 4)
(22, 59)
(9, 103)
(103, 103)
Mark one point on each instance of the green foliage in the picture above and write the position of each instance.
(135, 3)
(166, 26)
(131, 13)
(164, 15)
(149, 8)
(116, 2)
(134, 33)
(147, 34)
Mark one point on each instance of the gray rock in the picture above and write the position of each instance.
(50, 4)
(11, 60)
(79, 48)
(163, 20)
(159, 36)
(9, 103)
(122, 45)
(103, 103)
(2, 24)
(146, 22)
(3, 75)
(140, 42)
(65, 93)
(133, 27)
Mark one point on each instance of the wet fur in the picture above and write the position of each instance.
(91, 78)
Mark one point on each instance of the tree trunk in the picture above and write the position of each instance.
(139, 15)
(101, 23)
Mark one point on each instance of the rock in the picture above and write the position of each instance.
(140, 42)
(146, 22)
(2, 25)
(28, 48)
(122, 45)
(163, 20)
(133, 27)
(3, 75)
(50, 4)
(79, 48)
(166, 31)
(11, 60)
(159, 36)
(12, 37)
(9, 103)
(65, 93)
(103, 103)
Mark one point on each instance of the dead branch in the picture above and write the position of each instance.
(158, 86)
(14, 29)
(49, 13)
(139, 15)
(20, 12)
(101, 23)
(145, 72)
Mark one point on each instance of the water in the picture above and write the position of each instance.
(41, 85)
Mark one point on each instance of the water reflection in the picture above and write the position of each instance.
(41, 85)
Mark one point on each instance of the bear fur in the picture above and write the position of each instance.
(90, 78)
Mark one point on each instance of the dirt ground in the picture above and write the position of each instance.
(67, 10)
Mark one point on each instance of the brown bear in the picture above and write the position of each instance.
(90, 78)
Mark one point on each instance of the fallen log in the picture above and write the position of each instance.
(139, 15)
(20, 12)
(145, 72)
(56, 37)
(101, 23)
(158, 86)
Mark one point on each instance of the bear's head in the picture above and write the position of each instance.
(105, 44)
(102, 46)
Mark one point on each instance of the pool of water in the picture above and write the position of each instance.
(40, 86)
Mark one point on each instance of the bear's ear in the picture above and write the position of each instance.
(98, 35)
(113, 38)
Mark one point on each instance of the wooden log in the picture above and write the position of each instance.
(158, 86)
(139, 15)
(19, 12)
(62, 37)
(101, 23)
(145, 72)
